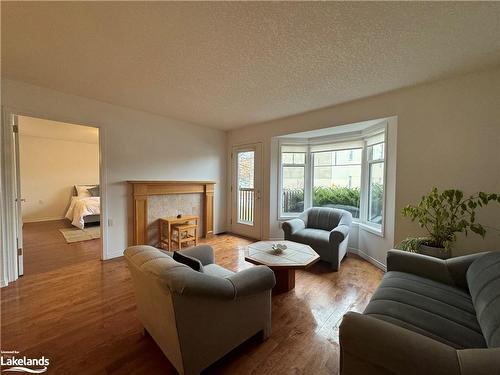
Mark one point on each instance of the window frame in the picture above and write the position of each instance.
(290, 215)
(365, 136)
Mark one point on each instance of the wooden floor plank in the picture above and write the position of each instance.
(81, 313)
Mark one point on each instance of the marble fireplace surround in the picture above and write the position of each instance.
(143, 190)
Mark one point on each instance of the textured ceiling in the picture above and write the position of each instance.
(226, 65)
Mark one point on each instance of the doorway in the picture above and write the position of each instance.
(246, 187)
(57, 189)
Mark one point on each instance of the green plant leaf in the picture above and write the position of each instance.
(478, 229)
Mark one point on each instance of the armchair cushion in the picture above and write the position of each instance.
(325, 218)
(312, 237)
(191, 262)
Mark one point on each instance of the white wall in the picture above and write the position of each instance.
(49, 170)
(448, 135)
(139, 146)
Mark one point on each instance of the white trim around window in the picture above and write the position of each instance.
(370, 137)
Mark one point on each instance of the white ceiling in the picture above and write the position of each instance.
(36, 127)
(226, 65)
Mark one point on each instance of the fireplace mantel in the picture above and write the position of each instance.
(142, 189)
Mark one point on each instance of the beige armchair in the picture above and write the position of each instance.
(198, 317)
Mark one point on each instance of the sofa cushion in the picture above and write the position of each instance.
(439, 311)
(483, 278)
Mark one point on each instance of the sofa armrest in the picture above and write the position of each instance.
(370, 343)
(292, 226)
(204, 253)
(479, 361)
(252, 281)
(457, 267)
(339, 234)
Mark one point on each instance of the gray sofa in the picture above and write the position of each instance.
(325, 229)
(197, 317)
(428, 316)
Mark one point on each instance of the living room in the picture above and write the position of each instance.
(312, 98)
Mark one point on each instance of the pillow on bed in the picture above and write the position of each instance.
(82, 190)
(94, 191)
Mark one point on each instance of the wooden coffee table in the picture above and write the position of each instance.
(296, 256)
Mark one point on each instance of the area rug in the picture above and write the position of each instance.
(77, 235)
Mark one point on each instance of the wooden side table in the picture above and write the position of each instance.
(166, 225)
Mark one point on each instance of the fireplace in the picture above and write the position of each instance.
(168, 198)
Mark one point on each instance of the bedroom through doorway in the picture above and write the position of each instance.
(59, 206)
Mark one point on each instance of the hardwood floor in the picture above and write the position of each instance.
(81, 314)
(45, 248)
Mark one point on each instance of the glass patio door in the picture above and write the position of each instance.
(246, 191)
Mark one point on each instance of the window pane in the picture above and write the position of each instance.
(376, 193)
(346, 157)
(293, 177)
(246, 169)
(376, 152)
(324, 158)
(293, 189)
(299, 158)
(337, 186)
(287, 158)
(293, 158)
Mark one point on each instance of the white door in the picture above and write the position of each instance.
(246, 190)
(17, 192)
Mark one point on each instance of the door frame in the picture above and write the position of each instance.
(258, 176)
(9, 258)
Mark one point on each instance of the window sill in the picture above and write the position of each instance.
(378, 231)
(286, 218)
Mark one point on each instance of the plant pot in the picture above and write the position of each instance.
(437, 252)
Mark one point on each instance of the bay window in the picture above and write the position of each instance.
(349, 175)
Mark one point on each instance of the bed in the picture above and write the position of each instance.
(85, 206)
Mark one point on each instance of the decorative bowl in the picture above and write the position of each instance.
(278, 248)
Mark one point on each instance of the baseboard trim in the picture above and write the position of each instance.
(114, 254)
(42, 220)
(3, 283)
(368, 258)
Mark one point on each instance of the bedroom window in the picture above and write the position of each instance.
(348, 174)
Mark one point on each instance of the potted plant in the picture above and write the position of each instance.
(443, 215)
